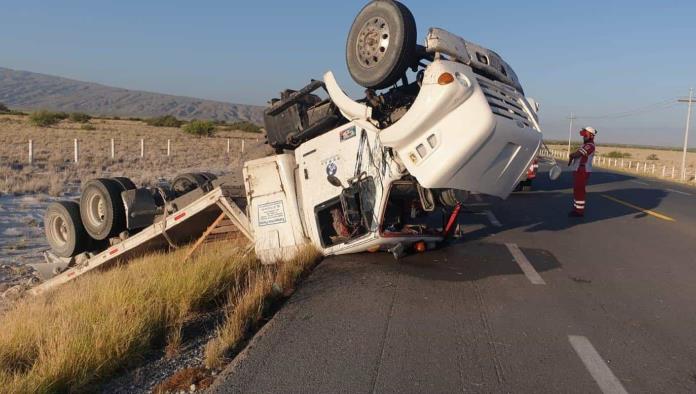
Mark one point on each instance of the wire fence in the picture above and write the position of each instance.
(75, 150)
(638, 167)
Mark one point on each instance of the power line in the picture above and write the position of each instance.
(662, 105)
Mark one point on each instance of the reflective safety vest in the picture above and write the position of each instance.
(585, 160)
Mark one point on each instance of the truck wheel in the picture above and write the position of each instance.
(64, 230)
(126, 183)
(450, 197)
(185, 183)
(101, 208)
(381, 44)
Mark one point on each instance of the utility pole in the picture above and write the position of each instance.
(686, 132)
(570, 130)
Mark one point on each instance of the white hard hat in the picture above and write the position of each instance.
(591, 130)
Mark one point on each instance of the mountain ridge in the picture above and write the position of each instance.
(28, 90)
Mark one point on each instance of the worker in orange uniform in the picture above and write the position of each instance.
(580, 162)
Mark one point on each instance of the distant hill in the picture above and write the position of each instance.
(29, 91)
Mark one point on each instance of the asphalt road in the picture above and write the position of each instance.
(529, 301)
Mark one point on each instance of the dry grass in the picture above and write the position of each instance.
(246, 305)
(183, 380)
(53, 153)
(92, 327)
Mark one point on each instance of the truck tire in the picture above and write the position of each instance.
(64, 230)
(185, 183)
(101, 208)
(381, 44)
(126, 183)
(451, 197)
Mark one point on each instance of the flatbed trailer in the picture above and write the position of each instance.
(181, 226)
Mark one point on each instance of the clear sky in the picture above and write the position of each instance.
(590, 57)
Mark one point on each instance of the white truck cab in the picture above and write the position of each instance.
(384, 172)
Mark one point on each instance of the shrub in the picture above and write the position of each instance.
(88, 126)
(618, 155)
(200, 127)
(164, 121)
(4, 109)
(45, 118)
(245, 126)
(652, 157)
(79, 117)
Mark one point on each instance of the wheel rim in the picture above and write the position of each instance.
(373, 42)
(97, 210)
(59, 231)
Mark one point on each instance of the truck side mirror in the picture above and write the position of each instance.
(334, 181)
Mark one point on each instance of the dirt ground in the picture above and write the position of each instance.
(26, 190)
(54, 153)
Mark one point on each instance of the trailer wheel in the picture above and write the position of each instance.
(185, 183)
(126, 183)
(101, 208)
(381, 44)
(64, 230)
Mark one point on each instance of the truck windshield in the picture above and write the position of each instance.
(405, 215)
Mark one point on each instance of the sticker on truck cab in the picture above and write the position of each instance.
(271, 213)
(348, 133)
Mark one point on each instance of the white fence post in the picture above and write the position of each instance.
(142, 147)
(653, 169)
(113, 149)
(242, 146)
(169, 147)
(31, 152)
(673, 172)
(77, 149)
(664, 170)
(228, 146)
(621, 163)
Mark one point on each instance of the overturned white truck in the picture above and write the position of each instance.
(382, 173)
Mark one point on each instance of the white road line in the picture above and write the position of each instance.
(641, 183)
(491, 218)
(594, 363)
(525, 265)
(679, 191)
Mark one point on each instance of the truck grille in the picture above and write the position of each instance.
(504, 102)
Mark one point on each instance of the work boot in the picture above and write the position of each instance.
(575, 214)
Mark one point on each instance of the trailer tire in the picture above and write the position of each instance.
(64, 230)
(126, 183)
(101, 208)
(381, 44)
(185, 183)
